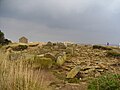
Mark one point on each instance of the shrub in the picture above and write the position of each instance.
(20, 47)
(101, 47)
(1, 37)
(6, 42)
(113, 53)
(3, 41)
(105, 82)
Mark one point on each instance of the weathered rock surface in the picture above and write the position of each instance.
(60, 61)
(92, 62)
(61, 58)
(50, 55)
(73, 72)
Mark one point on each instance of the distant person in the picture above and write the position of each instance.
(108, 44)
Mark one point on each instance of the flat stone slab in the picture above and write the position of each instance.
(73, 72)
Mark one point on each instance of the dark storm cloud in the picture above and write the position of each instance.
(85, 20)
(63, 14)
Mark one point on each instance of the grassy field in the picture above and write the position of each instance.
(37, 67)
(17, 75)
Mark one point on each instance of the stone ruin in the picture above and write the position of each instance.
(23, 40)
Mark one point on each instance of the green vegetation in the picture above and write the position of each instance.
(101, 47)
(72, 80)
(105, 82)
(20, 47)
(1, 37)
(113, 53)
(3, 41)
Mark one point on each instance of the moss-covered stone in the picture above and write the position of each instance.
(64, 56)
(60, 61)
(43, 62)
(73, 72)
(61, 58)
(50, 55)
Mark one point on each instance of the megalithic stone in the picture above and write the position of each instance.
(64, 56)
(73, 72)
(60, 60)
(50, 55)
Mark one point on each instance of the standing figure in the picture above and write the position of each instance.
(107, 43)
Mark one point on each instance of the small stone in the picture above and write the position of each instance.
(42, 55)
(100, 70)
(97, 74)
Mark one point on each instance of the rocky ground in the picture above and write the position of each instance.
(72, 65)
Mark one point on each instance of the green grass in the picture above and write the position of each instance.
(105, 82)
(113, 53)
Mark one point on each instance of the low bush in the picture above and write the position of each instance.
(20, 47)
(1, 37)
(101, 47)
(105, 82)
(113, 53)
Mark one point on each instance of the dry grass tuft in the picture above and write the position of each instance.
(18, 76)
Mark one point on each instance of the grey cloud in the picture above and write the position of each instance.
(85, 20)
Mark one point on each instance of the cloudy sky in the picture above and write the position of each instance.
(81, 21)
